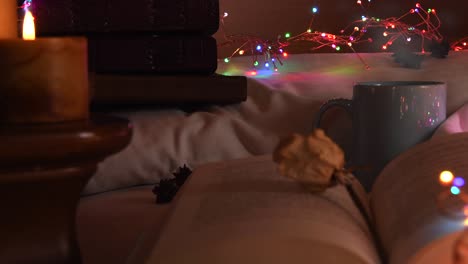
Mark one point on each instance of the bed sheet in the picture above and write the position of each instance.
(278, 103)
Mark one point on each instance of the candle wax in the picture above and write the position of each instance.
(8, 19)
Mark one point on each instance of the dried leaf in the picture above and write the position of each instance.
(311, 160)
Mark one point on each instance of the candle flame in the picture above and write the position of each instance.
(29, 30)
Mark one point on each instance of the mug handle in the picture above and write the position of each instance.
(346, 104)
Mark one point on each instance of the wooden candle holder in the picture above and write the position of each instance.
(44, 169)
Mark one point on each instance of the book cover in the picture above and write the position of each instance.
(152, 54)
(72, 17)
(243, 211)
(130, 90)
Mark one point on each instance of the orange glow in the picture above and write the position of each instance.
(465, 210)
(29, 30)
(446, 177)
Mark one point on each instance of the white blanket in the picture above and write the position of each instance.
(278, 104)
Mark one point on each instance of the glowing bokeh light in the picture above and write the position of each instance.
(446, 177)
(459, 182)
(455, 190)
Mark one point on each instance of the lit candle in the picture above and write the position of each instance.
(8, 19)
(29, 28)
(43, 80)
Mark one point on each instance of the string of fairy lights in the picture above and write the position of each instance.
(460, 44)
(395, 28)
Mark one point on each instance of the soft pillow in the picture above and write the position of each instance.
(278, 104)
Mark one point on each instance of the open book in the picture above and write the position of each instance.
(243, 211)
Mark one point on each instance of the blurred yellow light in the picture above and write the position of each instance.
(465, 210)
(446, 177)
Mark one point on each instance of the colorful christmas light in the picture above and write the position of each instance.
(455, 190)
(446, 177)
(460, 44)
(454, 203)
(459, 182)
(427, 29)
(454, 194)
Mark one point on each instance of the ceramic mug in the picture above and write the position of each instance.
(387, 119)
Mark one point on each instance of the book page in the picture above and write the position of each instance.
(438, 251)
(243, 211)
(404, 198)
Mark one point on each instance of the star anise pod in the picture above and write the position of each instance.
(165, 190)
(182, 174)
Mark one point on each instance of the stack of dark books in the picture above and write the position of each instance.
(145, 51)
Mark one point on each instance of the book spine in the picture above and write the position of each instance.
(83, 17)
(133, 90)
(153, 54)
